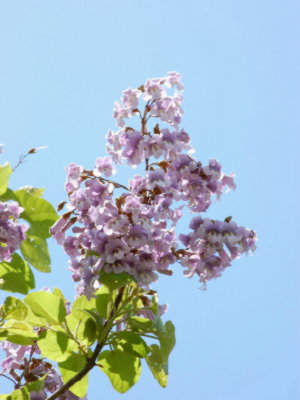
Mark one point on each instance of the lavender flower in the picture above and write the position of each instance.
(12, 233)
(136, 232)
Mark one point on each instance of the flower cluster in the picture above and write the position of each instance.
(212, 245)
(23, 363)
(134, 231)
(11, 231)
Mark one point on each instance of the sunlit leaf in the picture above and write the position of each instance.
(14, 309)
(19, 332)
(83, 327)
(69, 368)
(5, 172)
(35, 251)
(16, 275)
(47, 305)
(123, 369)
(38, 212)
(132, 343)
(115, 281)
(56, 346)
(102, 301)
(155, 361)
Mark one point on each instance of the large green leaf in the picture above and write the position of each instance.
(82, 303)
(69, 368)
(140, 323)
(167, 341)
(57, 292)
(17, 276)
(36, 208)
(38, 212)
(33, 320)
(84, 328)
(14, 309)
(35, 251)
(8, 195)
(158, 324)
(20, 394)
(18, 332)
(56, 346)
(102, 301)
(47, 305)
(115, 281)
(123, 369)
(5, 172)
(131, 342)
(36, 385)
(155, 361)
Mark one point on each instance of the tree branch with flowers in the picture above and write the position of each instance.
(119, 238)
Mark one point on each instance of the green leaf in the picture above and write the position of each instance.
(8, 195)
(36, 208)
(102, 301)
(37, 385)
(132, 343)
(99, 321)
(17, 275)
(115, 281)
(35, 251)
(158, 324)
(38, 212)
(57, 292)
(167, 341)
(47, 305)
(33, 320)
(140, 323)
(84, 328)
(123, 369)
(15, 309)
(20, 394)
(155, 361)
(18, 332)
(5, 172)
(33, 190)
(82, 302)
(70, 368)
(56, 346)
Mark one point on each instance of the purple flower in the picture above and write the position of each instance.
(104, 166)
(12, 233)
(134, 231)
(130, 98)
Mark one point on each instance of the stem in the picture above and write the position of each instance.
(23, 156)
(91, 362)
(132, 310)
(24, 370)
(20, 161)
(7, 377)
(116, 184)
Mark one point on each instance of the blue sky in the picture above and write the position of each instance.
(64, 63)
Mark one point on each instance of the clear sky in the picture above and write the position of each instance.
(64, 63)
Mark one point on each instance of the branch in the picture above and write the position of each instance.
(23, 156)
(8, 377)
(91, 362)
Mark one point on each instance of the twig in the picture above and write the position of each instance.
(8, 377)
(23, 156)
(91, 362)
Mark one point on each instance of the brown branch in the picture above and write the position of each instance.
(116, 184)
(8, 377)
(91, 362)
